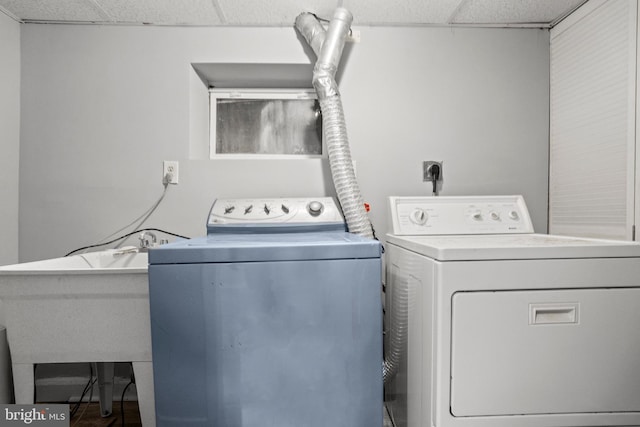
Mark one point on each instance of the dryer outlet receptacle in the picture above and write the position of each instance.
(428, 170)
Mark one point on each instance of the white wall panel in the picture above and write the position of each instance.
(103, 106)
(592, 129)
(9, 137)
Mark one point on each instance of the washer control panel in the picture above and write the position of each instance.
(273, 211)
(459, 215)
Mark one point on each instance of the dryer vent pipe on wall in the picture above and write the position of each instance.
(328, 45)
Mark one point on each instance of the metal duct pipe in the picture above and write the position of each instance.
(312, 31)
(328, 46)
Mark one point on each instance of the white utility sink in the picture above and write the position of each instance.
(84, 308)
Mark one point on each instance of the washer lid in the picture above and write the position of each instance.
(266, 247)
(514, 246)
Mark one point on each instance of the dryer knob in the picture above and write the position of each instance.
(419, 217)
(477, 216)
(315, 208)
(514, 215)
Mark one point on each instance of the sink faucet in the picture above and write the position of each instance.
(147, 240)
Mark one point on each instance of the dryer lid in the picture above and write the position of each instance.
(513, 247)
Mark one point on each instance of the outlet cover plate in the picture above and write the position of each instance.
(426, 170)
(170, 172)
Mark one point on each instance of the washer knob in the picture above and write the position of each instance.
(495, 216)
(514, 215)
(419, 217)
(315, 208)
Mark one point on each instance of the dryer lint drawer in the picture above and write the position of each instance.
(545, 352)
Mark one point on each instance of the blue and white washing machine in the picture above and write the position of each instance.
(273, 319)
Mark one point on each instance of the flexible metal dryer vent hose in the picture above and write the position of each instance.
(328, 46)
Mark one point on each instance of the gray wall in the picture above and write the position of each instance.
(102, 106)
(9, 137)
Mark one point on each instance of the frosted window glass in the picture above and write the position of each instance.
(267, 126)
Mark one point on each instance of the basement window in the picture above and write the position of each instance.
(265, 123)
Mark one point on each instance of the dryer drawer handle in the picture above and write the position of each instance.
(554, 313)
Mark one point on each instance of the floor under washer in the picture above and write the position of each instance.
(507, 327)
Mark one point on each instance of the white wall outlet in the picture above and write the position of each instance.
(170, 172)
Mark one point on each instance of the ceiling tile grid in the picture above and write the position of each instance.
(283, 12)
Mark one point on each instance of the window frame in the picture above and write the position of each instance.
(258, 94)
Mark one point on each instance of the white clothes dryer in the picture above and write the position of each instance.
(506, 327)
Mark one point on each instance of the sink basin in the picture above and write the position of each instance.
(116, 261)
(90, 307)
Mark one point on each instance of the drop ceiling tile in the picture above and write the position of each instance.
(364, 12)
(59, 10)
(401, 12)
(176, 12)
(514, 11)
(283, 12)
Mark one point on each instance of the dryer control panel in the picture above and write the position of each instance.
(459, 215)
(274, 214)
